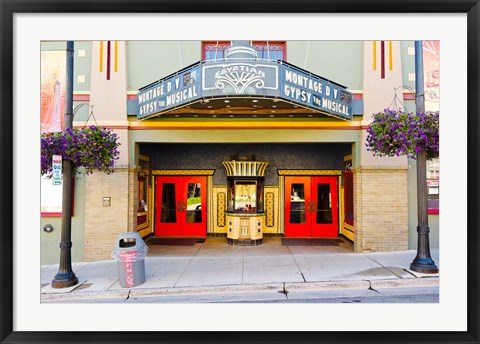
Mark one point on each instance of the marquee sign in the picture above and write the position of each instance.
(240, 78)
(312, 91)
(170, 92)
(244, 77)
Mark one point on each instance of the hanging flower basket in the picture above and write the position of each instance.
(93, 148)
(393, 133)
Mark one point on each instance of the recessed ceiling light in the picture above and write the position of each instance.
(227, 101)
(255, 106)
(290, 115)
(231, 116)
(272, 115)
(254, 100)
(206, 100)
(228, 106)
(209, 106)
(276, 100)
(274, 106)
(254, 115)
(272, 111)
(214, 115)
(177, 116)
(195, 115)
(310, 115)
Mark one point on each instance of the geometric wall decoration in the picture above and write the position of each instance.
(269, 209)
(221, 209)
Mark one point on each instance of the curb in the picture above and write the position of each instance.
(244, 288)
(405, 283)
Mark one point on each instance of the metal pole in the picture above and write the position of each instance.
(423, 262)
(65, 276)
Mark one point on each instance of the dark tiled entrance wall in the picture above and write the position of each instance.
(279, 156)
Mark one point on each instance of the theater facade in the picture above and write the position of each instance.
(241, 140)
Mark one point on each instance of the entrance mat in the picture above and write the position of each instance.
(174, 241)
(311, 242)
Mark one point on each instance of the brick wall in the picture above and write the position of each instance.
(381, 209)
(104, 224)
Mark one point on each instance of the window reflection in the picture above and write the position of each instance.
(297, 204)
(194, 203)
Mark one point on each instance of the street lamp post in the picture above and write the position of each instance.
(423, 262)
(65, 276)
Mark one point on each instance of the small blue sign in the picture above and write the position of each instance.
(57, 169)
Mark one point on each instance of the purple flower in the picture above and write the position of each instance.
(394, 133)
(76, 145)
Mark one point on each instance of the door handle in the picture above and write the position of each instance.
(313, 207)
(179, 207)
(183, 206)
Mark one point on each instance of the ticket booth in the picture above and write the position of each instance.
(245, 214)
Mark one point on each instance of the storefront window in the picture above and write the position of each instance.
(433, 184)
(270, 50)
(143, 193)
(348, 190)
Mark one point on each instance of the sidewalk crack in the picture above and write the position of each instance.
(296, 263)
(284, 291)
(383, 266)
(128, 295)
(186, 267)
(409, 272)
(370, 286)
(243, 269)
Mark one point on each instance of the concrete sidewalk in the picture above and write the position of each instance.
(215, 267)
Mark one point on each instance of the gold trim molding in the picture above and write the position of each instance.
(309, 172)
(348, 227)
(183, 172)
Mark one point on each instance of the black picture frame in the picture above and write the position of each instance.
(10, 7)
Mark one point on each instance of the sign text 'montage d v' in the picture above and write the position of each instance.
(236, 78)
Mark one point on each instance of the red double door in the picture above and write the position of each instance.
(181, 206)
(311, 207)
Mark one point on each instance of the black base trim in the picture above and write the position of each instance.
(237, 242)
